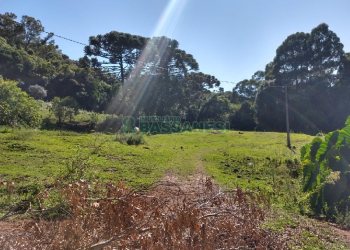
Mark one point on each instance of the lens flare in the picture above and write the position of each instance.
(137, 87)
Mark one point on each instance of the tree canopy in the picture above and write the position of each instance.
(315, 69)
(16, 107)
(129, 74)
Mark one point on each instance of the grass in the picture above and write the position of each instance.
(232, 158)
(255, 161)
(260, 162)
(37, 155)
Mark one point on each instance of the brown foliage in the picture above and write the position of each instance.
(167, 216)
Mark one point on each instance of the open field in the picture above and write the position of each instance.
(30, 157)
(40, 156)
(254, 161)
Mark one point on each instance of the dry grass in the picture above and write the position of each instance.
(168, 216)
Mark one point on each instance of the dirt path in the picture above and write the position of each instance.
(194, 181)
(343, 234)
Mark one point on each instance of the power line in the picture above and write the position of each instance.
(107, 55)
(228, 82)
(65, 38)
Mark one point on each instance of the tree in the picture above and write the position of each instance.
(165, 58)
(308, 57)
(247, 89)
(121, 49)
(32, 31)
(64, 108)
(270, 112)
(326, 57)
(16, 107)
(345, 71)
(195, 91)
(290, 65)
(314, 68)
(216, 108)
(33, 59)
(243, 119)
(10, 29)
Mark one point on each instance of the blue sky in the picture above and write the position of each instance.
(230, 39)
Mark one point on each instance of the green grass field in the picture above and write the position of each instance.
(255, 161)
(31, 155)
(251, 160)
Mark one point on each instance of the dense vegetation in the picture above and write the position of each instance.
(32, 59)
(16, 107)
(133, 75)
(326, 174)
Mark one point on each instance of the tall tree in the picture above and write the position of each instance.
(163, 57)
(311, 65)
(121, 49)
(326, 56)
(291, 63)
(32, 30)
(10, 29)
(247, 89)
(308, 57)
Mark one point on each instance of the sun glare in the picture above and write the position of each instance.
(133, 88)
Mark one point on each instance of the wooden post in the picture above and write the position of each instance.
(287, 118)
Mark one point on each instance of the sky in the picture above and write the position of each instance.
(230, 39)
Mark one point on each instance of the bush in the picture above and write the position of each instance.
(37, 91)
(77, 168)
(16, 107)
(64, 108)
(326, 173)
(131, 138)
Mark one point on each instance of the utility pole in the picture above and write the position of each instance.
(287, 117)
(289, 145)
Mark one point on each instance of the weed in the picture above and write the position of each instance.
(76, 167)
(130, 138)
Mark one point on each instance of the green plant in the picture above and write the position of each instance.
(64, 108)
(326, 172)
(54, 206)
(16, 107)
(77, 167)
(93, 119)
(130, 138)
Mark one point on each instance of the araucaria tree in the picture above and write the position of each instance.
(120, 49)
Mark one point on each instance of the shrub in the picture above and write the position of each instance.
(16, 107)
(64, 108)
(77, 167)
(131, 138)
(37, 91)
(326, 173)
